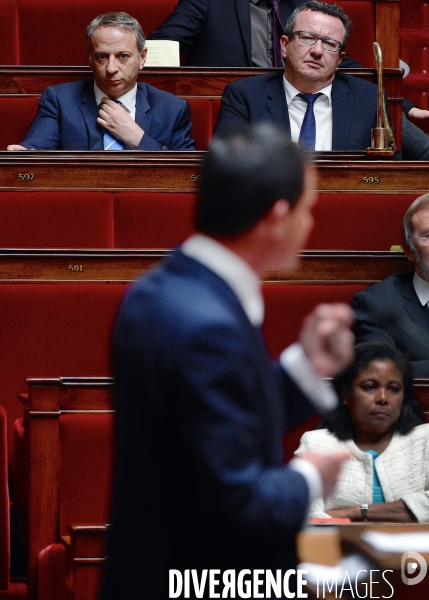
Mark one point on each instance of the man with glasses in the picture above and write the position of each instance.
(243, 33)
(318, 107)
(396, 309)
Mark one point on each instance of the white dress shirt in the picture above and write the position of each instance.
(322, 114)
(128, 100)
(422, 289)
(244, 282)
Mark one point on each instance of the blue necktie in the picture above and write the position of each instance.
(109, 141)
(307, 136)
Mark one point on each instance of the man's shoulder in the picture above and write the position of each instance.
(181, 273)
(257, 81)
(391, 285)
(322, 440)
(183, 292)
(71, 88)
(158, 95)
(353, 82)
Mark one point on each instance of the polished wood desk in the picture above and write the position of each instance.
(179, 171)
(317, 267)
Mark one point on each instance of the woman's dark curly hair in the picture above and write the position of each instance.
(339, 421)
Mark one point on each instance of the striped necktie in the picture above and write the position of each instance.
(277, 32)
(109, 141)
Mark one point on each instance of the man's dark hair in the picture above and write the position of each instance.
(121, 20)
(339, 421)
(333, 10)
(243, 174)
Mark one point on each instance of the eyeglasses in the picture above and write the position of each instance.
(423, 238)
(309, 39)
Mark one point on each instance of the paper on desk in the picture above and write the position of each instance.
(397, 542)
(162, 53)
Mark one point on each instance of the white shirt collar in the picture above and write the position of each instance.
(128, 100)
(422, 289)
(291, 92)
(240, 277)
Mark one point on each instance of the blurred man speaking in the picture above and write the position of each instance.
(201, 408)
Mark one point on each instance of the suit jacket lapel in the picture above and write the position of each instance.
(342, 108)
(276, 103)
(418, 314)
(89, 111)
(143, 118)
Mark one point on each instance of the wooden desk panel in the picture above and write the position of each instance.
(183, 81)
(75, 170)
(46, 401)
(179, 171)
(324, 266)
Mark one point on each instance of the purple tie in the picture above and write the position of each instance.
(277, 32)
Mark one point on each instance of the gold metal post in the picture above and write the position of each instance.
(382, 140)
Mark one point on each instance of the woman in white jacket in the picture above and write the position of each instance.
(380, 423)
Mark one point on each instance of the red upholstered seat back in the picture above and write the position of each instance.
(49, 329)
(4, 507)
(17, 115)
(362, 34)
(152, 220)
(204, 115)
(86, 469)
(43, 25)
(415, 52)
(286, 305)
(56, 219)
(358, 221)
(9, 53)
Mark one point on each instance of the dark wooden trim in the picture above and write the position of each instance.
(187, 82)
(179, 171)
(317, 267)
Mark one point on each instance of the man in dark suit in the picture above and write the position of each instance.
(238, 33)
(313, 47)
(201, 409)
(218, 33)
(76, 116)
(396, 309)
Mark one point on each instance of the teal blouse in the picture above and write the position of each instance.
(377, 492)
